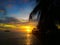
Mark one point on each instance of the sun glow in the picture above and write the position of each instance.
(27, 28)
(23, 27)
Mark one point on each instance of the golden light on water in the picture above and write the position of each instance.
(27, 28)
(28, 40)
(24, 27)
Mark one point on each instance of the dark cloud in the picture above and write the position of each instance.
(9, 20)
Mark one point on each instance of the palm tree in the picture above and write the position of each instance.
(47, 19)
(40, 6)
(46, 8)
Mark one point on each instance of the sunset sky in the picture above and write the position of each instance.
(18, 8)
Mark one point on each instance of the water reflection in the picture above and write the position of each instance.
(31, 39)
(28, 40)
(18, 38)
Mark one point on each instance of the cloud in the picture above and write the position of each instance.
(9, 20)
(26, 1)
(9, 5)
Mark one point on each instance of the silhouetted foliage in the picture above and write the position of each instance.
(49, 11)
(48, 18)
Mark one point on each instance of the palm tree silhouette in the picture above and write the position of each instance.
(47, 18)
(45, 9)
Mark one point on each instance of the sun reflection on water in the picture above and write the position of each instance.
(28, 39)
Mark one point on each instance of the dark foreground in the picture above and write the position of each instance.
(23, 38)
(18, 38)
